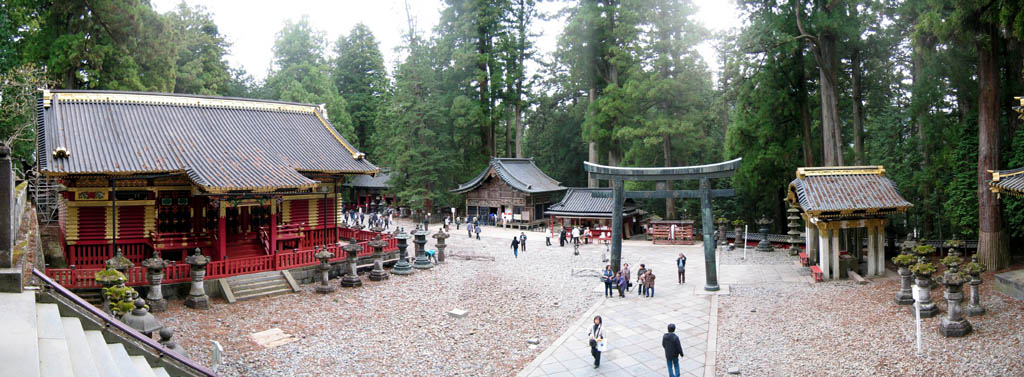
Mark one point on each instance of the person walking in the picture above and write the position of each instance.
(515, 246)
(458, 221)
(641, 275)
(621, 283)
(597, 340)
(681, 265)
(469, 229)
(673, 350)
(547, 238)
(606, 277)
(522, 241)
(625, 274)
(561, 238)
(649, 283)
(477, 230)
(575, 236)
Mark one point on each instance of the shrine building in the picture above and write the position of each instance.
(237, 178)
(513, 186)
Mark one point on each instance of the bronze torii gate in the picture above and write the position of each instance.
(704, 173)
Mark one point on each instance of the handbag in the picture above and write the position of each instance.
(602, 345)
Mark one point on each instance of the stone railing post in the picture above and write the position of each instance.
(197, 298)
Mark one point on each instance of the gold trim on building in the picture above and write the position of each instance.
(839, 170)
(159, 99)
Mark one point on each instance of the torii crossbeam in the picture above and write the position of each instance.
(704, 173)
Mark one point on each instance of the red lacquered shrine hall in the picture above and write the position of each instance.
(238, 178)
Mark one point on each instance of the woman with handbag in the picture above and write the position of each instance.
(598, 343)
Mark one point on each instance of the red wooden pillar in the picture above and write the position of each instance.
(273, 226)
(222, 232)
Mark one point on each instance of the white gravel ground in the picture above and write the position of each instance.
(756, 257)
(842, 329)
(399, 327)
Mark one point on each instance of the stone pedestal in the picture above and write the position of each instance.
(723, 240)
(351, 278)
(974, 307)
(142, 320)
(324, 268)
(402, 267)
(155, 275)
(422, 262)
(165, 339)
(765, 245)
(197, 298)
(928, 308)
(378, 273)
(440, 236)
(905, 296)
(954, 324)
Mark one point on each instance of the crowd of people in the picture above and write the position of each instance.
(357, 218)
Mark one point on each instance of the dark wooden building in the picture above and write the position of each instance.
(514, 186)
(370, 191)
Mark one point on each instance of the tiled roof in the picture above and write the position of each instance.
(380, 181)
(520, 173)
(1008, 181)
(837, 192)
(580, 202)
(222, 144)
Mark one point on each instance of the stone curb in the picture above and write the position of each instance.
(711, 350)
(533, 365)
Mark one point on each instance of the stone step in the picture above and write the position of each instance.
(255, 291)
(257, 284)
(19, 350)
(101, 354)
(142, 368)
(257, 276)
(81, 358)
(161, 372)
(274, 292)
(54, 356)
(122, 360)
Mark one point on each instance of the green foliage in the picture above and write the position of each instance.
(904, 260)
(923, 250)
(975, 268)
(923, 269)
(200, 65)
(951, 261)
(359, 75)
(17, 110)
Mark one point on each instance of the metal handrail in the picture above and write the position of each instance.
(161, 351)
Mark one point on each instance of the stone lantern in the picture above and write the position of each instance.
(440, 236)
(796, 237)
(108, 279)
(197, 298)
(119, 262)
(378, 273)
(155, 274)
(324, 267)
(954, 324)
(923, 271)
(765, 245)
(723, 240)
(402, 267)
(166, 334)
(351, 278)
(142, 320)
(975, 269)
(904, 261)
(421, 256)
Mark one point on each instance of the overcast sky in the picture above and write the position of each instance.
(250, 25)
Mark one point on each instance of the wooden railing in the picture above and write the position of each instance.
(83, 278)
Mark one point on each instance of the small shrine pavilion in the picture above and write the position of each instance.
(237, 178)
(844, 197)
(510, 186)
(370, 192)
(581, 207)
(1009, 182)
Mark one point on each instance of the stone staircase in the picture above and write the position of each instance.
(262, 284)
(39, 341)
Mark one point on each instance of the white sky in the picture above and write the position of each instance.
(250, 25)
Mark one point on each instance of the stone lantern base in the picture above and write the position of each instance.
(324, 288)
(156, 306)
(402, 268)
(350, 281)
(378, 273)
(198, 302)
(422, 263)
(954, 329)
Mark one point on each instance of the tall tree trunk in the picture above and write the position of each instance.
(670, 204)
(925, 45)
(805, 111)
(858, 116)
(831, 133)
(1014, 66)
(592, 146)
(519, 129)
(992, 242)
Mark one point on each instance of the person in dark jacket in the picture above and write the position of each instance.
(515, 246)
(673, 350)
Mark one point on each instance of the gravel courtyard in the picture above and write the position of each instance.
(844, 329)
(399, 326)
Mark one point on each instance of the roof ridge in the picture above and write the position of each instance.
(175, 99)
